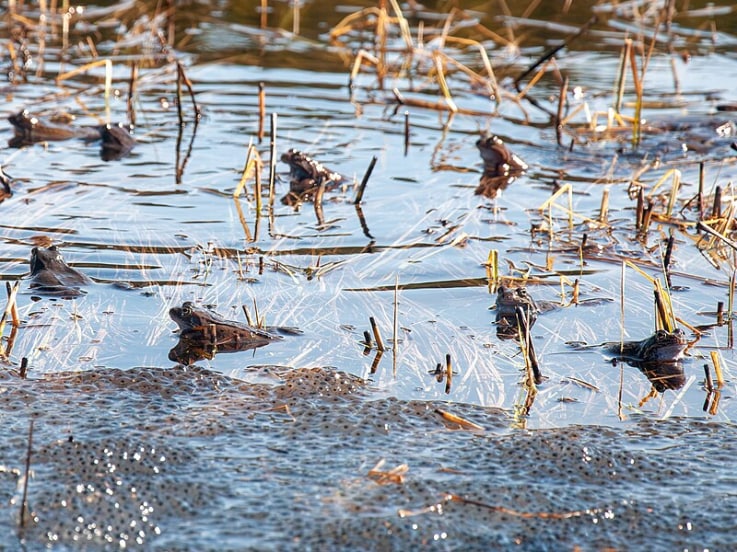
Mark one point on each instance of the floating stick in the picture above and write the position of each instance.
(377, 335)
(364, 182)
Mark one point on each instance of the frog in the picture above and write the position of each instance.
(51, 275)
(203, 325)
(117, 140)
(662, 346)
(508, 301)
(306, 176)
(501, 166)
(498, 160)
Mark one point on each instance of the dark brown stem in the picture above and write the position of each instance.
(364, 182)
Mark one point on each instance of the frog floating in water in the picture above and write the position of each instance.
(662, 346)
(29, 129)
(204, 333)
(51, 275)
(306, 176)
(501, 166)
(508, 300)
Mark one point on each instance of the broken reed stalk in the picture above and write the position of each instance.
(604, 207)
(261, 111)
(622, 75)
(638, 95)
(27, 475)
(375, 363)
(716, 209)
(661, 318)
(295, 16)
(395, 325)
(406, 133)
(492, 271)
(377, 335)
(23, 372)
(717, 368)
(730, 299)
(364, 182)
(700, 194)
(264, 14)
(272, 161)
(448, 373)
(367, 343)
(559, 114)
(132, 84)
(667, 257)
(707, 379)
(527, 348)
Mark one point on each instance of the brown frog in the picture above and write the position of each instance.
(306, 176)
(662, 346)
(204, 325)
(501, 166)
(508, 301)
(51, 275)
(30, 129)
(498, 160)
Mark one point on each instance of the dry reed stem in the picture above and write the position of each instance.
(443, 84)
(448, 373)
(364, 182)
(377, 335)
(457, 422)
(717, 368)
(395, 326)
(261, 111)
(394, 476)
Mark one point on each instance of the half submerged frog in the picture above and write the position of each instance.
(203, 333)
(29, 129)
(501, 166)
(51, 275)
(663, 346)
(508, 301)
(306, 176)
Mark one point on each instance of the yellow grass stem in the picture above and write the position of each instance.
(437, 58)
(717, 368)
(108, 79)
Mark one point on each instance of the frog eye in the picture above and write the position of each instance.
(187, 309)
(660, 335)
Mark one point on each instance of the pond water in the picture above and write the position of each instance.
(252, 442)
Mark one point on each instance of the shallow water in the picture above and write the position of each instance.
(420, 226)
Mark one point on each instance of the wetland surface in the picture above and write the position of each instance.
(277, 447)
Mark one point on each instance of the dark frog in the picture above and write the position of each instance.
(51, 275)
(501, 166)
(306, 176)
(29, 129)
(662, 346)
(205, 326)
(510, 302)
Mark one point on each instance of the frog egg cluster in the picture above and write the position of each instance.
(110, 492)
